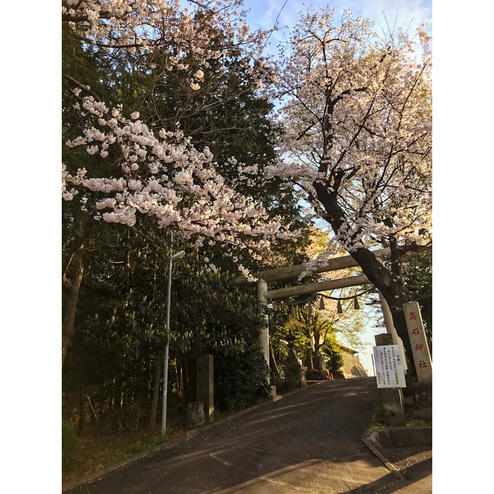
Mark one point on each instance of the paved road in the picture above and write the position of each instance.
(306, 443)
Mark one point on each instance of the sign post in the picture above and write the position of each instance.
(390, 372)
(390, 377)
(418, 342)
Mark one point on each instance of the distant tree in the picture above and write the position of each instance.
(312, 330)
(333, 355)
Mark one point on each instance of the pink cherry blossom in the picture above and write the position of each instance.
(357, 128)
(162, 175)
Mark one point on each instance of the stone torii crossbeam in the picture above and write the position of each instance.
(291, 272)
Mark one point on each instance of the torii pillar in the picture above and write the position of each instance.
(262, 288)
(390, 327)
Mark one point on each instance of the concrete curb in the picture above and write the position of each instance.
(72, 484)
(402, 436)
(390, 466)
(396, 436)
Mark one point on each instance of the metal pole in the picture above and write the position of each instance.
(167, 336)
(373, 365)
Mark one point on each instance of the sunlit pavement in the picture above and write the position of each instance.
(307, 443)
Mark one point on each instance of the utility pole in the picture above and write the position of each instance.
(167, 333)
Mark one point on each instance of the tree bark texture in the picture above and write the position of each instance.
(384, 280)
(310, 361)
(71, 283)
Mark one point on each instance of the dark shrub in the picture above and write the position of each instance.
(314, 375)
(239, 379)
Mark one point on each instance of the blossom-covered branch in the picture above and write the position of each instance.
(357, 139)
(358, 128)
(162, 175)
(145, 25)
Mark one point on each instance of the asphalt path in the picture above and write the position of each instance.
(306, 443)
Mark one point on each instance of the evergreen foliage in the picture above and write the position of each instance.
(112, 373)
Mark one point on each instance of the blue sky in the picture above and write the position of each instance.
(405, 14)
(408, 14)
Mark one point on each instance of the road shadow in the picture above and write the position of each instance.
(274, 447)
(390, 484)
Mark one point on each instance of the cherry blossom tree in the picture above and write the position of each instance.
(357, 139)
(143, 168)
(159, 172)
(146, 25)
(167, 178)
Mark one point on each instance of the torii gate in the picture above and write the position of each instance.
(290, 272)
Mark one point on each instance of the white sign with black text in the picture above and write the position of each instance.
(390, 372)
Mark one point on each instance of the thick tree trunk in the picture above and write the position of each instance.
(402, 330)
(384, 280)
(156, 391)
(317, 358)
(310, 361)
(71, 284)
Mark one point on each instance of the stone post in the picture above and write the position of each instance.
(391, 398)
(205, 383)
(390, 327)
(418, 342)
(388, 319)
(294, 370)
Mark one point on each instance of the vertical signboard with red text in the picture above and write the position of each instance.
(418, 342)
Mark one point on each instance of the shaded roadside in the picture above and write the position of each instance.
(308, 442)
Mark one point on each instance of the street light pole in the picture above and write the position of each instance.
(167, 334)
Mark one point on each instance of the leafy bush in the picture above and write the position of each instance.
(240, 379)
(133, 417)
(293, 375)
(334, 357)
